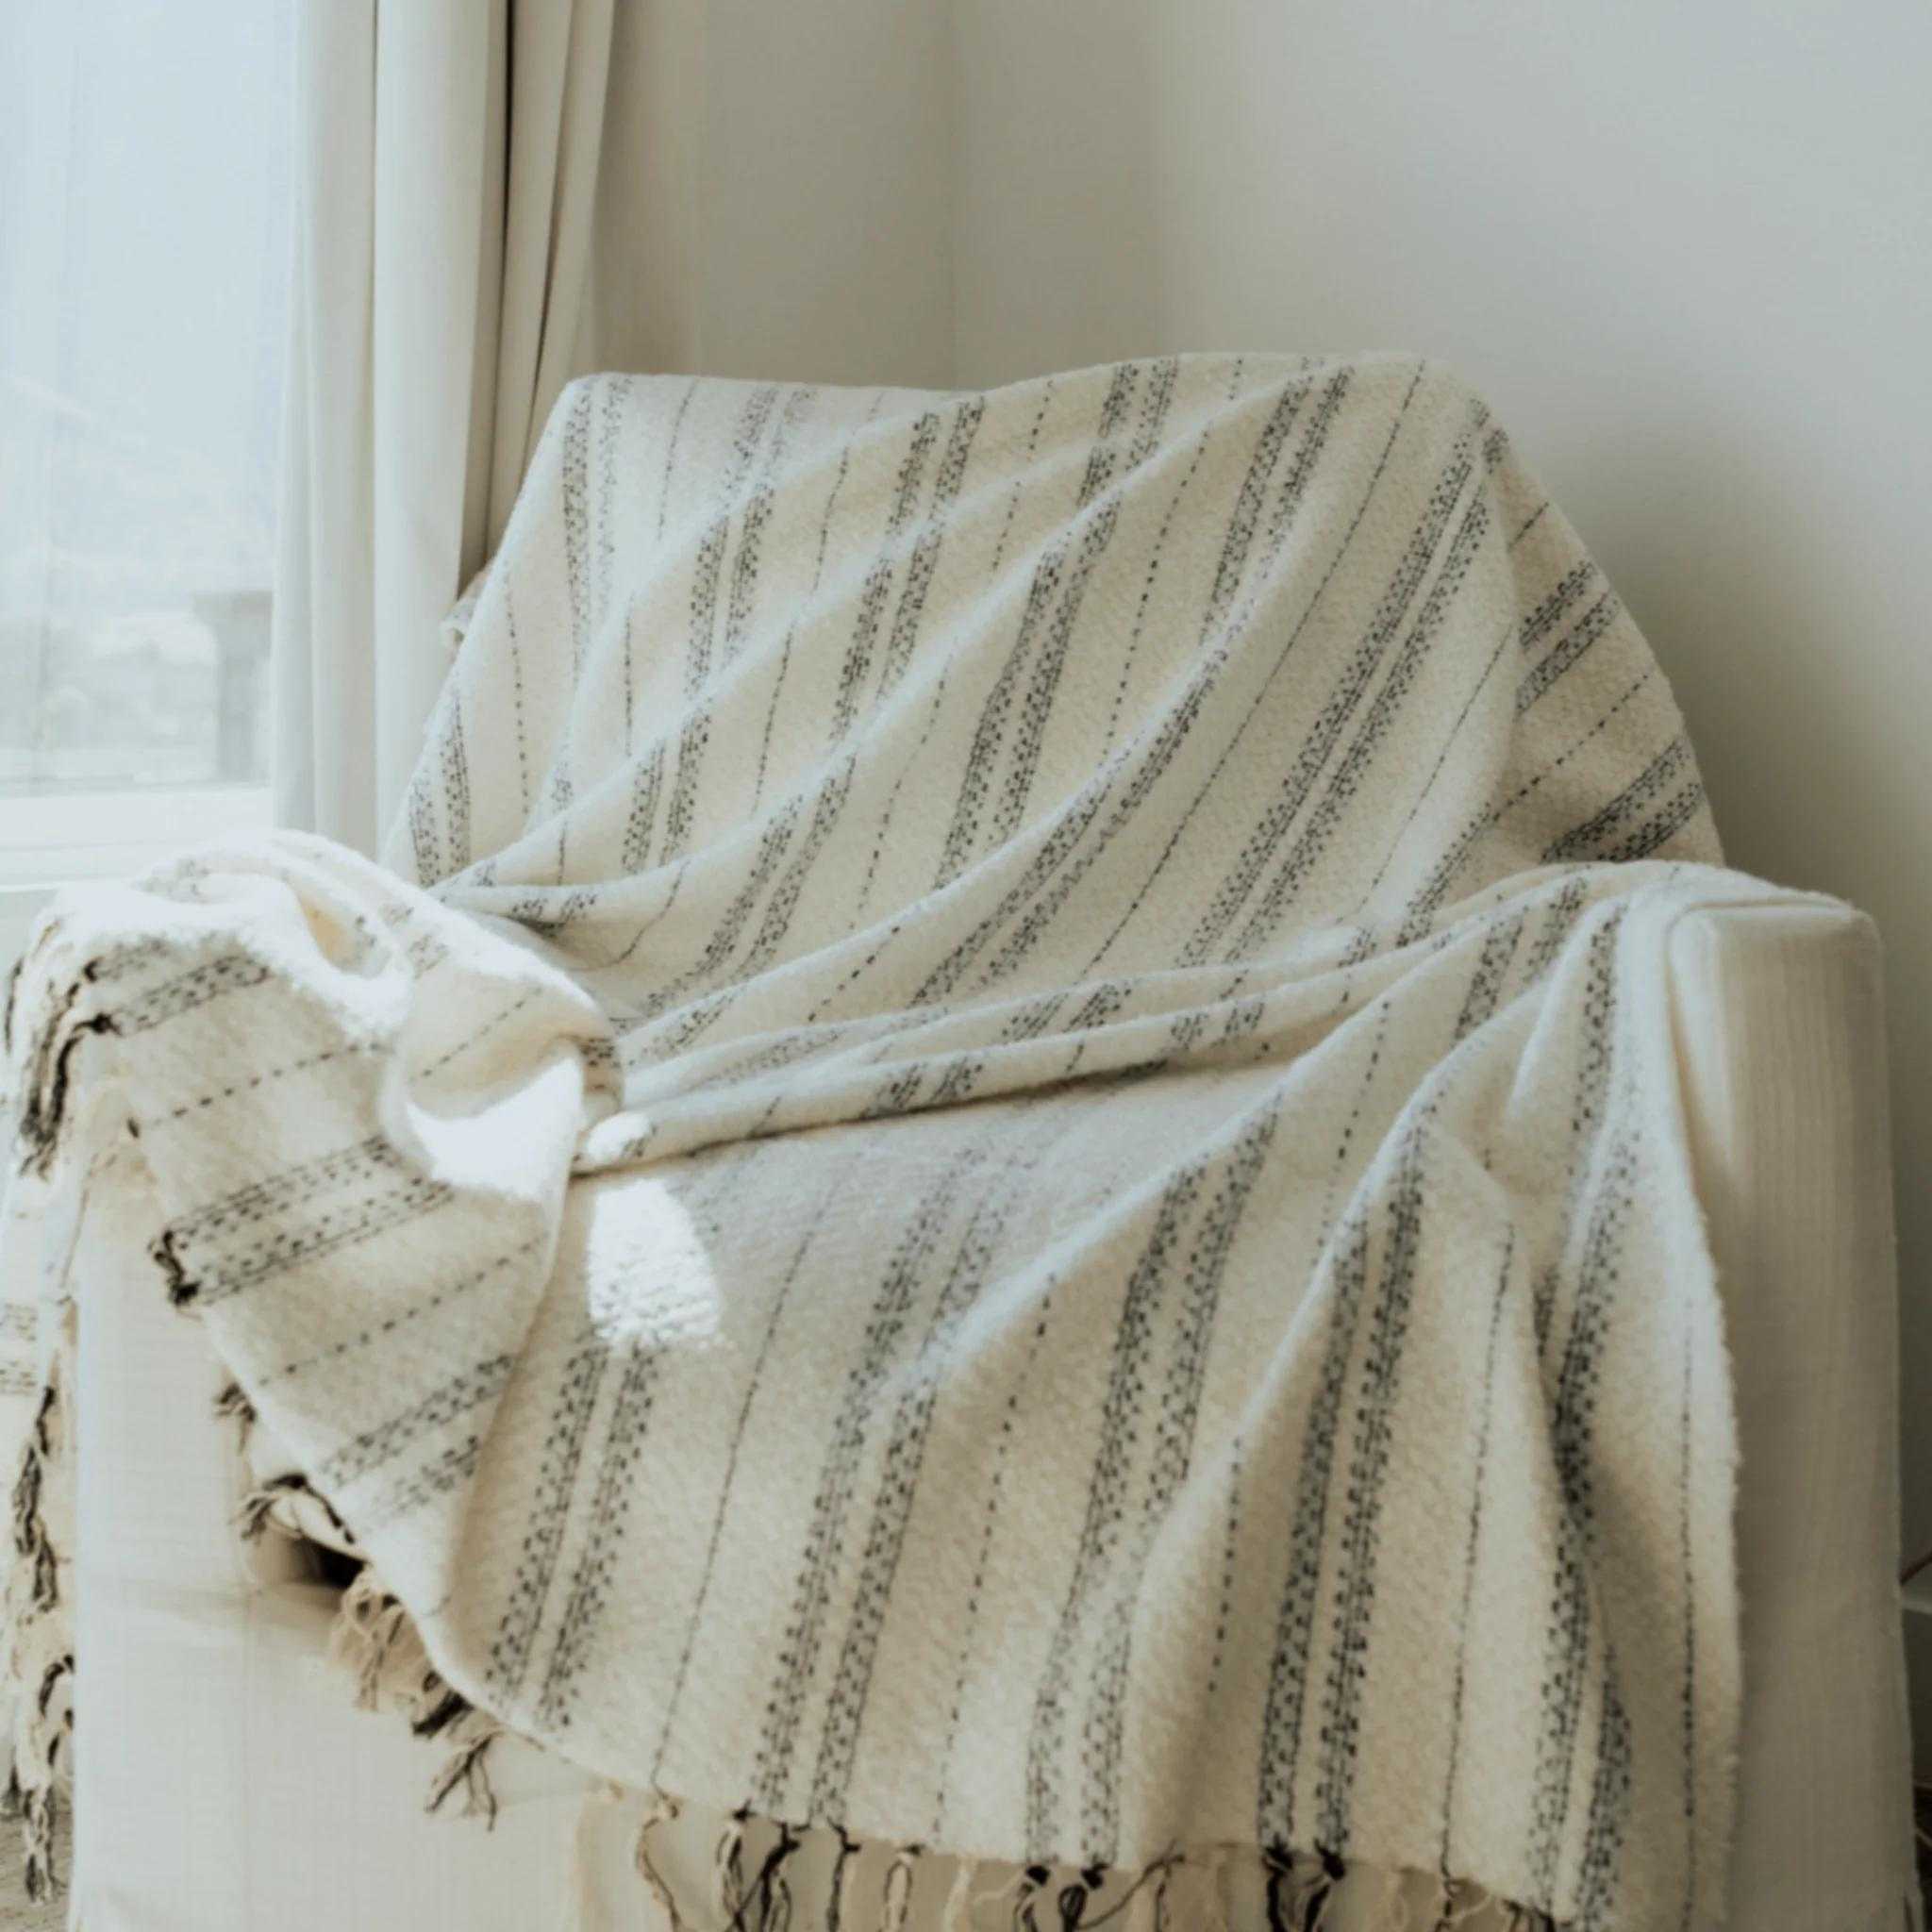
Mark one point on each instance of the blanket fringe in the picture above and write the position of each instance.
(49, 1079)
(233, 1405)
(1181, 1892)
(754, 1884)
(842, 1893)
(278, 1505)
(259, 1513)
(39, 1663)
(662, 1812)
(727, 1869)
(895, 1898)
(957, 1915)
(376, 1638)
(32, 1545)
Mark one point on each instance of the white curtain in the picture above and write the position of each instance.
(493, 196)
(446, 161)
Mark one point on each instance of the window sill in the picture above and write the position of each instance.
(69, 838)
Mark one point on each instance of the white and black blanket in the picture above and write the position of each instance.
(1001, 1167)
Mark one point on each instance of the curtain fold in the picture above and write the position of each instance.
(446, 173)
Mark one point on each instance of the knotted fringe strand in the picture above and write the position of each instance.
(1299, 1889)
(895, 1899)
(662, 1812)
(277, 1505)
(260, 1512)
(1033, 1881)
(957, 1915)
(1161, 1922)
(839, 1898)
(1150, 1886)
(727, 1869)
(232, 1406)
(468, 1733)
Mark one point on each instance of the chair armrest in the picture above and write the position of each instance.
(1780, 1021)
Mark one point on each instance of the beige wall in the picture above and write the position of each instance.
(778, 192)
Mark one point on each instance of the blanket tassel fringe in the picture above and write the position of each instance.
(40, 1664)
(374, 1637)
(761, 1880)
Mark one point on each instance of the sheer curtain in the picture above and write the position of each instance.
(144, 251)
(446, 173)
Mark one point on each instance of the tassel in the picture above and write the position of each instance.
(1031, 1882)
(466, 1766)
(375, 1638)
(39, 1797)
(777, 1911)
(728, 1869)
(1157, 1909)
(769, 1892)
(39, 1810)
(957, 1915)
(1154, 1875)
(896, 1898)
(50, 1082)
(1279, 1863)
(663, 1812)
(231, 1405)
(845, 1877)
(1312, 1904)
(442, 1712)
(257, 1511)
(30, 1538)
(439, 1713)
(1074, 1897)
(370, 1624)
(39, 1668)
(181, 1291)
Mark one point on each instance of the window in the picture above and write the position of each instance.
(144, 157)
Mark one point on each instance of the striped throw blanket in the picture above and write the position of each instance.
(998, 1172)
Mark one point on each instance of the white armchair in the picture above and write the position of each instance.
(228, 1785)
